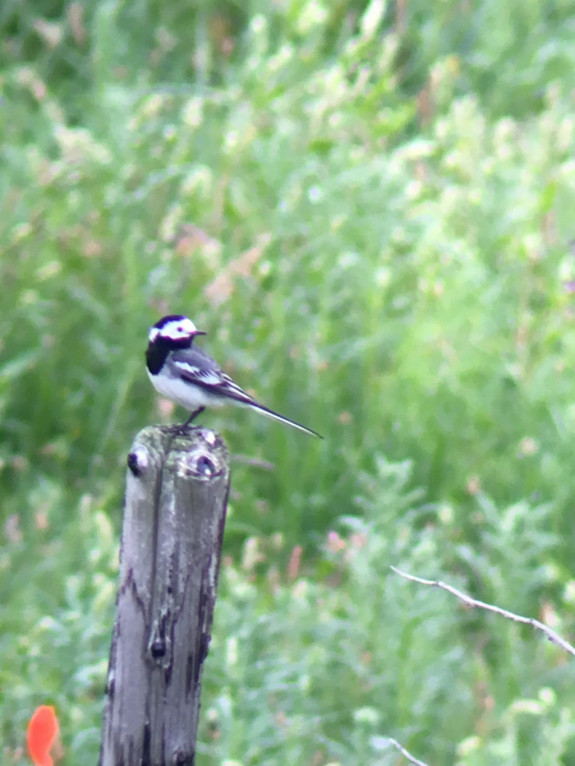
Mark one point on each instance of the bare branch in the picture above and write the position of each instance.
(256, 462)
(382, 741)
(551, 635)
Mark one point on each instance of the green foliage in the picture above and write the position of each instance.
(57, 590)
(368, 206)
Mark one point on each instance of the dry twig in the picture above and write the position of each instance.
(551, 635)
(382, 741)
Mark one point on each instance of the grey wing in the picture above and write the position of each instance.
(195, 366)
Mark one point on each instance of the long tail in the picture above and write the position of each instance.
(276, 416)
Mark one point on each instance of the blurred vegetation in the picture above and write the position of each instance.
(369, 207)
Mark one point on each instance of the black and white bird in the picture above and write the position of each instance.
(183, 373)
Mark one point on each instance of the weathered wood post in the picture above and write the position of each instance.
(175, 508)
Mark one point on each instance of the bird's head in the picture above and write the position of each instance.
(174, 331)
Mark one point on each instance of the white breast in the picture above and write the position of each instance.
(185, 394)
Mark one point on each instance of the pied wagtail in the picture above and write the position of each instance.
(184, 373)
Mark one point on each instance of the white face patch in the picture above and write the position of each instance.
(174, 330)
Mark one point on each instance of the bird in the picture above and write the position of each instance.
(182, 372)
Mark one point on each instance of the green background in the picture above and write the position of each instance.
(369, 208)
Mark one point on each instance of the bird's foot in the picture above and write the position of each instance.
(181, 429)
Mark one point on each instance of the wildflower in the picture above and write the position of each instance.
(43, 731)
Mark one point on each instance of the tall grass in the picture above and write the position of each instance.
(369, 209)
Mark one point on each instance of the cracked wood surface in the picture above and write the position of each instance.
(175, 507)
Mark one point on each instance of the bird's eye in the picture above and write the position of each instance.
(180, 329)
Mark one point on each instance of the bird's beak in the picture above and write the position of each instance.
(199, 332)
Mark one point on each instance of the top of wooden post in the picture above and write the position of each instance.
(176, 495)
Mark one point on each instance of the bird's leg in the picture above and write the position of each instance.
(193, 416)
(182, 429)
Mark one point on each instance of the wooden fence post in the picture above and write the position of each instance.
(175, 508)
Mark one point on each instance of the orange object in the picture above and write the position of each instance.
(43, 730)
